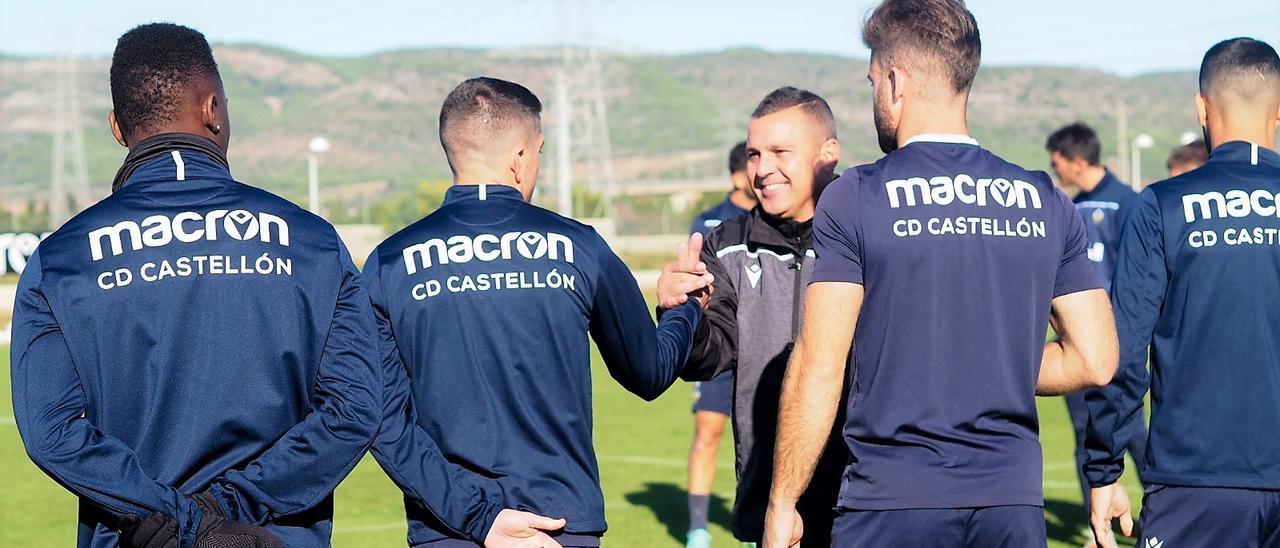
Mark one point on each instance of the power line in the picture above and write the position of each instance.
(70, 174)
(582, 121)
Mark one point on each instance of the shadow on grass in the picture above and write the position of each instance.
(1065, 522)
(670, 506)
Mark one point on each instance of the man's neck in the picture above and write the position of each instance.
(483, 177)
(1092, 178)
(464, 182)
(948, 119)
(1258, 136)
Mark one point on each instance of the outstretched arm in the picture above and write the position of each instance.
(644, 360)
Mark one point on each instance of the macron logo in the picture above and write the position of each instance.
(943, 190)
(187, 227)
(1154, 542)
(753, 274)
(1235, 203)
(487, 247)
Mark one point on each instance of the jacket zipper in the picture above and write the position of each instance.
(798, 266)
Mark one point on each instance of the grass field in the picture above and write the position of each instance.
(641, 447)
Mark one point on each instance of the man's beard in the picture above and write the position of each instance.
(886, 132)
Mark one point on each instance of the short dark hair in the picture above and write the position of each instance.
(1194, 153)
(1244, 65)
(152, 69)
(738, 158)
(788, 97)
(940, 34)
(1076, 141)
(480, 112)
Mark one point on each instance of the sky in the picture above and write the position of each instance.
(1121, 36)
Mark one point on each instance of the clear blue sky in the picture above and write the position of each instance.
(1124, 36)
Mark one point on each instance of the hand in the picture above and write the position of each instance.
(687, 274)
(213, 531)
(783, 527)
(1107, 503)
(516, 529)
(157, 531)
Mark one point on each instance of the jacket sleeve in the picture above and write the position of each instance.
(715, 343)
(644, 360)
(407, 453)
(1137, 295)
(306, 464)
(49, 408)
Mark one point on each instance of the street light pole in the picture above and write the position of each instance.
(314, 148)
(1140, 142)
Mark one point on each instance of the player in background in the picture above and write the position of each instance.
(1075, 154)
(1187, 157)
(949, 261)
(713, 399)
(760, 263)
(1196, 284)
(190, 351)
(484, 309)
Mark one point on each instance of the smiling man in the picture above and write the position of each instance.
(759, 262)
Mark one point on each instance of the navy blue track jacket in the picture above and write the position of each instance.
(1103, 210)
(1197, 281)
(190, 332)
(485, 307)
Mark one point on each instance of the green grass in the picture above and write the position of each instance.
(641, 447)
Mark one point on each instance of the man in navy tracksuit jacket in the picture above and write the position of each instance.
(485, 307)
(190, 345)
(1103, 202)
(1196, 283)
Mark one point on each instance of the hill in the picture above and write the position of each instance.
(669, 115)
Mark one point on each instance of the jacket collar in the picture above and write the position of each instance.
(481, 192)
(767, 230)
(178, 165)
(172, 157)
(1245, 152)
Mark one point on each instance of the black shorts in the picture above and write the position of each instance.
(1180, 517)
(989, 527)
(565, 539)
(715, 395)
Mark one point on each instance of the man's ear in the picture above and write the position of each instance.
(209, 114)
(115, 128)
(897, 83)
(830, 152)
(519, 157)
(1202, 111)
